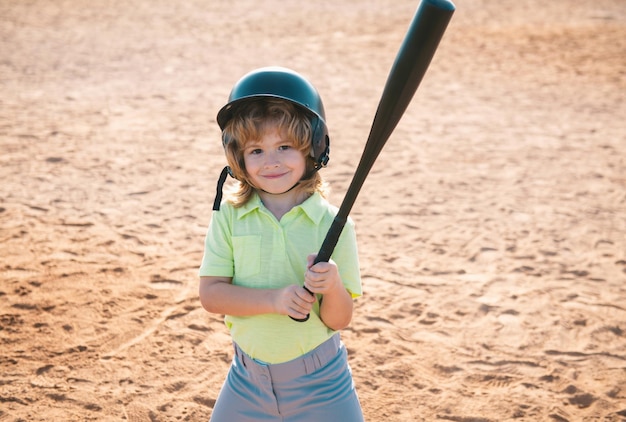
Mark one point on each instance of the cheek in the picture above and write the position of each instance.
(250, 164)
(297, 159)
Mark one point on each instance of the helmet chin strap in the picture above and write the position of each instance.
(226, 171)
(220, 185)
(280, 193)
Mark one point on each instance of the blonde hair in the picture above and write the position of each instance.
(250, 121)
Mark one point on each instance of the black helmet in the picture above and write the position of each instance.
(286, 84)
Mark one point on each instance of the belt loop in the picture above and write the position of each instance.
(309, 364)
(240, 355)
(318, 362)
(323, 354)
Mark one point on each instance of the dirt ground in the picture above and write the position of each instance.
(492, 229)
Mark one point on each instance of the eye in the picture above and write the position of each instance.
(284, 147)
(255, 151)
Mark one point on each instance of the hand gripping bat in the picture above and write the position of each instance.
(415, 54)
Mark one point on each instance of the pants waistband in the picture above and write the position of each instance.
(303, 365)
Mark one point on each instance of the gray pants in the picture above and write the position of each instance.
(315, 387)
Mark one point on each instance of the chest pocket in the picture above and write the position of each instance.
(247, 256)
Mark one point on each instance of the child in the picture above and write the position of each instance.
(258, 256)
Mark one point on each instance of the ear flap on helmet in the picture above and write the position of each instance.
(320, 142)
(225, 138)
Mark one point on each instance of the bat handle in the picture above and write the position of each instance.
(332, 237)
(326, 250)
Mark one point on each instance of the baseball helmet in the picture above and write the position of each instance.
(286, 84)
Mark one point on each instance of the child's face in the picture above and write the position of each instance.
(272, 163)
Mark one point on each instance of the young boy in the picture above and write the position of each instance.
(259, 254)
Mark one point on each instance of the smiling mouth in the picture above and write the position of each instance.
(274, 176)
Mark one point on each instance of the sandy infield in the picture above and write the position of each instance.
(492, 229)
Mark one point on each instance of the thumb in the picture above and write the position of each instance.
(310, 259)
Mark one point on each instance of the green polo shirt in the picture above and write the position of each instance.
(254, 248)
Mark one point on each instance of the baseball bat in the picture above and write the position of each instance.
(412, 60)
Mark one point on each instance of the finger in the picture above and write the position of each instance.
(320, 268)
(314, 274)
(310, 259)
(300, 309)
(310, 287)
(305, 295)
(295, 314)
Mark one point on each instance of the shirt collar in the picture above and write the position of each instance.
(253, 203)
(312, 207)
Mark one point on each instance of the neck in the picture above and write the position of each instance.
(280, 204)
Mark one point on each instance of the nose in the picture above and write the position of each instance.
(272, 160)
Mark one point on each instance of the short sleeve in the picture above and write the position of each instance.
(346, 257)
(218, 249)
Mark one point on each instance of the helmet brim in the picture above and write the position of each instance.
(273, 82)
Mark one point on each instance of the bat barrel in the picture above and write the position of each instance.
(445, 5)
(416, 52)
